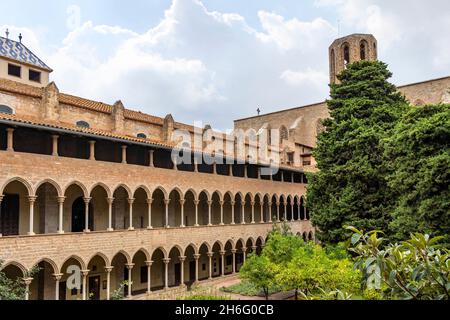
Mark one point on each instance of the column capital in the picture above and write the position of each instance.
(196, 202)
(166, 260)
(1, 198)
(222, 252)
(27, 281)
(209, 202)
(210, 254)
(254, 248)
(61, 199)
(243, 203)
(261, 203)
(232, 202)
(57, 276)
(84, 273)
(91, 142)
(151, 151)
(270, 203)
(182, 258)
(149, 201)
(182, 202)
(244, 249)
(221, 202)
(129, 266)
(10, 129)
(55, 136)
(110, 200)
(252, 203)
(32, 199)
(109, 269)
(233, 251)
(131, 200)
(278, 203)
(197, 256)
(87, 200)
(149, 263)
(166, 201)
(124, 146)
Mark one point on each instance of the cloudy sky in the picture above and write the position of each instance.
(218, 60)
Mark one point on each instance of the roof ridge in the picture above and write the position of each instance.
(15, 52)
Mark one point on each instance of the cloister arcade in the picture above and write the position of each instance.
(50, 208)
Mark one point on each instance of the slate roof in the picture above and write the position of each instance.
(17, 51)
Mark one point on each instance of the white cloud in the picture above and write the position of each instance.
(206, 65)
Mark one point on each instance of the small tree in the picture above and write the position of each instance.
(260, 271)
(14, 289)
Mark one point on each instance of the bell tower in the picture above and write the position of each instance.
(349, 49)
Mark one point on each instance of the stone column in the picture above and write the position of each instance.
(182, 259)
(149, 278)
(253, 211)
(61, 214)
(270, 211)
(298, 209)
(214, 168)
(130, 203)
(1, 199)
(86, 214)
(254, 248)
(245, 171)
(222, 261)
(209, 212)
(57, 278)
(221, 212)
(244, 253)
(166, 273)
(166, 203)
(233, 203)
(108, 282)
(55, 145)
(124, 154)
(230, 171)
(130, 281)
(278, 211)
(110, 203)
(92, 150)
(84, 273)
(182, 201)
(196, 202)
(149, 208)
(27, 282)
(150, 155)
(195, 164)
(210, 256)
(242, 212)
(196, 257)
(32, 200)
(10, 139)
(262, 211)
(292, 211)
(285, 212)
(233, 251)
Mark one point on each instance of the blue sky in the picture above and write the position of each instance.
(218, 60)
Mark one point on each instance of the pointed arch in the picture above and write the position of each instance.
(50, 262)
(76, 258)
(147, 255)
(80, 185)
(124, 253)
(125, 187)
(145, 188)
(161, 249)
(53, 183)
(102, 185)
(162, 190)
(20, 180)
(101, 255)
(15, 264)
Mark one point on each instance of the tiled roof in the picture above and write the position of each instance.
(17, 51)
(73, 128)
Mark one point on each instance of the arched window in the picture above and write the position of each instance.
(83, 124)
(6, 109)
(363, 50)
(142, 135)
(284, 134)
(346, 53)
(333, 63)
